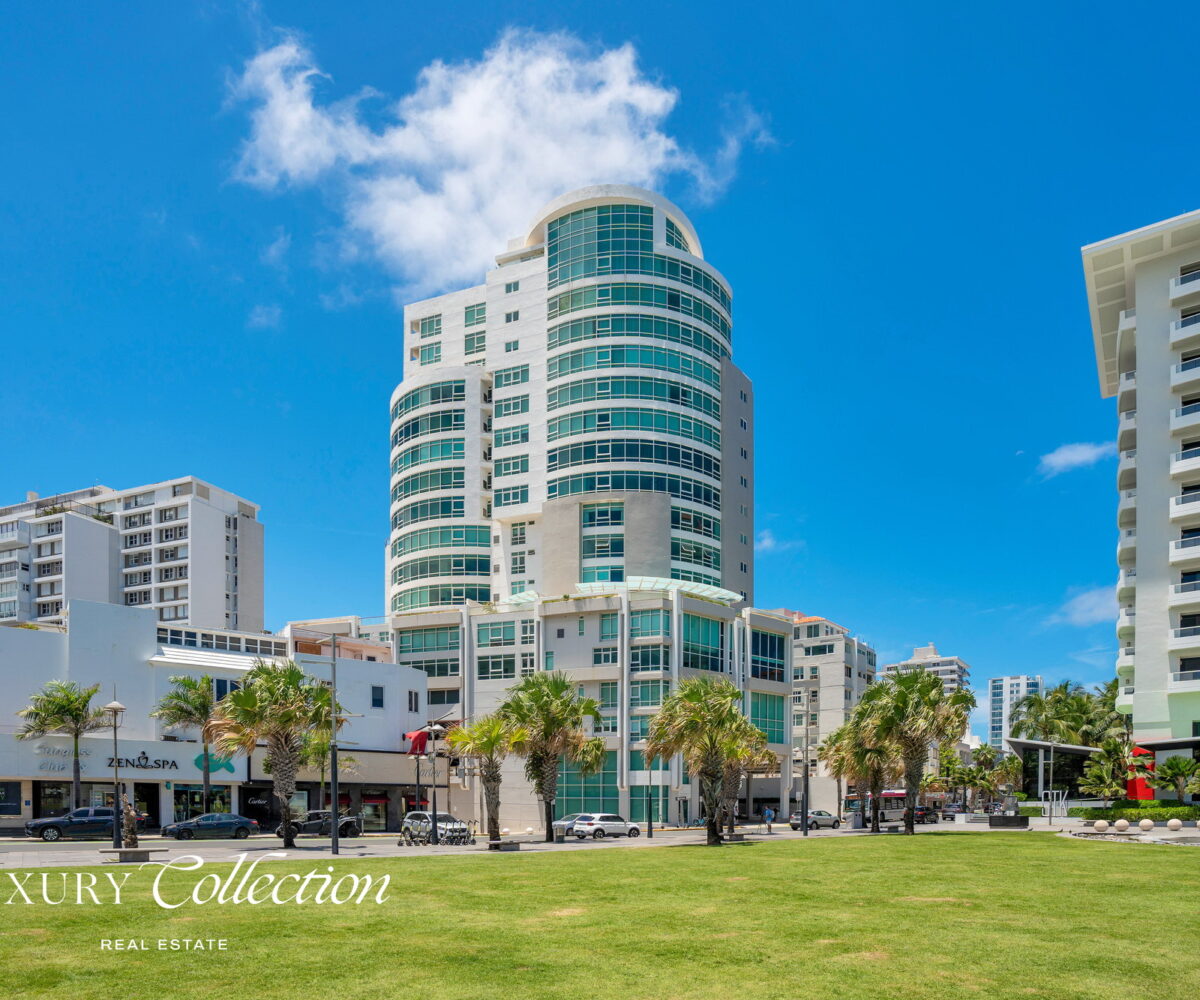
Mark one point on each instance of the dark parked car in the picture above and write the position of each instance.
(317, 822)
(925, 814)
(952, 809)
(212, 825)
(95, 821)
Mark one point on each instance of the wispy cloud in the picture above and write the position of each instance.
(1066, 457)
(263, 317)
(765, 541)
(275, 252)
(1087, 607)
(458, 164)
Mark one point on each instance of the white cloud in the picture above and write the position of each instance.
(1087, 607)
(263, 317)
(765, 541)
(1066, 457)
(459, 164)
(275, 251)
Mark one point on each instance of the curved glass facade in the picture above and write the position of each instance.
(635, 325)
(638, 293)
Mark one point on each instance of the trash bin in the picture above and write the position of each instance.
(857, 821)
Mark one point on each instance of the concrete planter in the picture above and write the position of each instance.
(1015, 822)
(504, 845)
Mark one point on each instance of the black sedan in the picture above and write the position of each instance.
(212, 825)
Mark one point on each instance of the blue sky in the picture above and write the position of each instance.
(202, 246)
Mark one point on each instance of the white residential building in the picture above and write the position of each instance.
(1003, 695)
(133, 657)
(572, 487)
(1144, 296)
(830, 671)
(954, 671)
(187, 550)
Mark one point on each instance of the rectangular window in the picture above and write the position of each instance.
(602, 574)
(512, 317)
(649, 658)
(442, 697)
(506, 436)
(510, 496)
(594, 515)
(768, 655)
(496, 634)
(511, 345)
(424, 640)
(430, 326)
(647, 694)
(430, 354)
(703, 643)
(435, 668)
(527, 664)
(474, 315)
(496, 668)
(637, 762)
(376, 696)
(474, 343)
(511, 376)
(645, 624)
(549, 659)
(604, 655)
(767, 712)
(511, 286)
(512, 405)
(511, 466)
(517, 532)
(602, 546)
(582, 626)
(528, 631)
(609, 692)
(609, 626)
(518, 564)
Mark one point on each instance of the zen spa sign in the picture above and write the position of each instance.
(46, 758)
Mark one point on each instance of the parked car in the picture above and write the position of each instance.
(603, 825)
(925, 814)
(212, 825)
(952, 809)
(317, 822)
(82, 823)
(419, 826)
(566, 825)
(816, 818)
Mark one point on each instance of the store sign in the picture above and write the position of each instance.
(56, 758)
(215, 763)
(144, 761)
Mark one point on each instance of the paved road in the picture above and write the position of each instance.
(25, 853)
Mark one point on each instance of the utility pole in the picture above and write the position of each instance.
(804, 787)
(333, 748)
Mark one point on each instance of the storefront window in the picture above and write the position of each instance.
(374, 810)
(10, 798)
(189, 800)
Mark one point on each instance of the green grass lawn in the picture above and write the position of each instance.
(938, 915)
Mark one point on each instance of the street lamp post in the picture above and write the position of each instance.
(115, 708)
(434, 731)
(333, 748)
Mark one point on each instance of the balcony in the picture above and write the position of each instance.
(1124, 700)
(1127, 429)
(1186, 286)
(1125, 667)
(1184, 639)
(1185, 463)
(1183, 595)
(1185, 680)
(1125, 623)
(1184, 550)
(1185, 418)
(1124, 659)
(1127, 322)
(1186, 375)
(1185, 506)
(1127, 468)
(1185, 332)
(1127, 584)
(1126, 507)
(1126, 387)
(1127, 546)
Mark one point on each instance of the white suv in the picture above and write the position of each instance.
(601, 825)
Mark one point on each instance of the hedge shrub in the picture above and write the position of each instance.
(1158, 814)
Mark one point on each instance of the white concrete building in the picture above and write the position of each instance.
(132, 656)
(183, 548)
(954, 671)
(1003, 695)
(1144, 296)
(572, 487)
(830, 671)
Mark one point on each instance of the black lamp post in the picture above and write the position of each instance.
(434, 732)
(115, 708)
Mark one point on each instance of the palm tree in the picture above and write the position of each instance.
(550, 710)
(745, 749)
(1106, 773)
(695, 721)
(1045, 715)
(488, 740)
(913, 713)
(64, 708)
(1009, 770)
(872, 764)
(316, 753)
(1173, 772)
(189, 705)
(277, 705)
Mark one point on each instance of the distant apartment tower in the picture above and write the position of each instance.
(1144, 296)
(189, 551)
(1003, 695)
(830, 671)
(953, 671)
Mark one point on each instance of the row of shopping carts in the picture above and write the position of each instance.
(418, 832)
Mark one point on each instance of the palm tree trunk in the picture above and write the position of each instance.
(489, 772)
(710, 791)
(76, 781)
(207, 782)
(549, 793)
(914, 767)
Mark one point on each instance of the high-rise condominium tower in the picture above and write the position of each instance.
(1004, 694)
(572, 489)
(591, 369)
(1144, 294)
